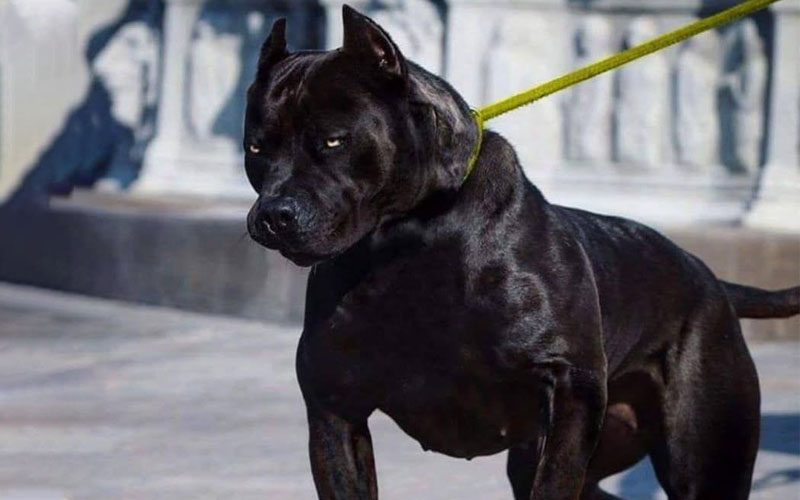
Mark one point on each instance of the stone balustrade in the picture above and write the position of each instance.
(680, 136)
(40, 80)
(703, 131)
(210, 52)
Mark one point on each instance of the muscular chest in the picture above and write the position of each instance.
(417, 348)
(452, 398)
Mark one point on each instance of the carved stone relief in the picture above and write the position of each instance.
(742, 95)
(214, 68)
(588, 109)
(696, 124)
(128, 68)
(522, 54)
(642, 101)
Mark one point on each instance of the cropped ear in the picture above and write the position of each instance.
(274, 48)
(363, 37)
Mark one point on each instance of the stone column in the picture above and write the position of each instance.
(176, 161)
(42, 77)
(777, 204)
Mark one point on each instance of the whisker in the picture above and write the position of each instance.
(243, 239)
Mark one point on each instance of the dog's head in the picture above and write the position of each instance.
(337, 142)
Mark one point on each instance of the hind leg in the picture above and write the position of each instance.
(623, 443)
(710, 414)
(628, 429)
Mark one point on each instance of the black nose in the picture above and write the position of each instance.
(280, 215)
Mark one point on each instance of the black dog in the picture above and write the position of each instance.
(476, 314)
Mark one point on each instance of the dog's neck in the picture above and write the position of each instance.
(495, 194)
(455, 132)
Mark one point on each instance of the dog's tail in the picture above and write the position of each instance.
(752, 302)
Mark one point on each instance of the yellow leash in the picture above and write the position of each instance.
(526, 97)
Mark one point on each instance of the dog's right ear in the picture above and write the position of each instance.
(363, 36)
(274, 48)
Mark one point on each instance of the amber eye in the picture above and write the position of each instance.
(333, 143)
(254, 149)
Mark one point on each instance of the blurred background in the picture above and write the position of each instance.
(121, 177)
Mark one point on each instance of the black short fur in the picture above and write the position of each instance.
(479, 316)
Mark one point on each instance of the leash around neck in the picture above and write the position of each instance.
(497, 108)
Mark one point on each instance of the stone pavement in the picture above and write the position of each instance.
(107, 400)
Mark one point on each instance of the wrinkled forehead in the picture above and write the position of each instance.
(306, 84)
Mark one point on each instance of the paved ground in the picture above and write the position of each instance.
(103, 400)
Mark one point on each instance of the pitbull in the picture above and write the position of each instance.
(474, 313)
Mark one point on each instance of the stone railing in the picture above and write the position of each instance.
(704, 131)
(40, 80)
(680, 136)
(210, 49)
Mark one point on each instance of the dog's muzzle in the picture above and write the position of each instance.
(281, 223)
(279, 217)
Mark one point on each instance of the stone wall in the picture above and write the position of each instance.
(40, 80)
(706, 131)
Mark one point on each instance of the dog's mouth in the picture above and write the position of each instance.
(290, 249)
(304, 259)
(305, 246)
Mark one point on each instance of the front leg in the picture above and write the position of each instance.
(573, 409)
(342, 461)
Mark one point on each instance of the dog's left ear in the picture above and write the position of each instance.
(363, 36)
(274, 48)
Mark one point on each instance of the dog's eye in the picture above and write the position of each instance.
(254, 148)
(333, 142)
